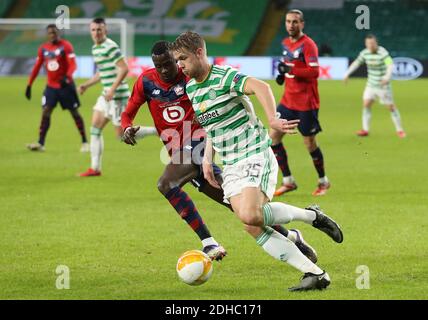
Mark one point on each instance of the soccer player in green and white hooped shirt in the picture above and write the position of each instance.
(219, 98)
(112, 70)
(379, 68)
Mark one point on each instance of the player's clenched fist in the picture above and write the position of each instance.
(129, 135)
(109, 94)
(82, 88)
(207, 168)
(285, 126)
(283, 68)
(28, 92)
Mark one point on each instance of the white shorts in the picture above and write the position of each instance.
(259, 170)
(112, 109)
(383, 94)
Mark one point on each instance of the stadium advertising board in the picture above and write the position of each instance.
(405, 68)
(331, 68)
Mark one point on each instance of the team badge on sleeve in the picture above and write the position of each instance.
(238, 77)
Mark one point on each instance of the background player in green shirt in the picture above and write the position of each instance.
(379, 69)
(112, 70)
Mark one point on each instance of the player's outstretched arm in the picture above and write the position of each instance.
(265, 96)
(71, 64)
(95, 79)
(34, 73)
(135, 101)
(352, 68)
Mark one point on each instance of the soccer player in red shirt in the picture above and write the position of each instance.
(299, 69)
(57, 55)
(163, 88)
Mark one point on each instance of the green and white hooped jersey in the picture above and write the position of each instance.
(105, 56)
(227, 114)
(376, 65)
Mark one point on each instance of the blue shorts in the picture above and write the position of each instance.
(66, 96)
(309, 124)
(198, 149)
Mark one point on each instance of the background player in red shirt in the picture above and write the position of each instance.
(163, 88)
(59, 59)
(299, 68)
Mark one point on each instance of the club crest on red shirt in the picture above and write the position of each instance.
(179, 90)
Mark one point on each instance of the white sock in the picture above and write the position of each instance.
(209, 242)
(367, 115)
(280, 213)
(323, 179)
(145, 131)
(279, 247)
(396, 119)
(97, 146)
(288, 180)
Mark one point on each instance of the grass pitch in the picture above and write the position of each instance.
(121, 239)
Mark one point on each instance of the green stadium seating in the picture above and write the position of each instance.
(400, 27)
(4, 6)
(240, 24)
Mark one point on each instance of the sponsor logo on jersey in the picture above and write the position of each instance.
(406, 68)
(155, 92)
(52, 65)
(208, 116)
(173, 113)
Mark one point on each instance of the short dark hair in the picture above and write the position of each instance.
(296, 11)
(188, 40)
(371, 36)
(160, 47)
(52, 25)
(99, 20)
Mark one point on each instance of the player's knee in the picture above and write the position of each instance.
(310, 143)
(47, 112)
(251, 216)
(164, 185)
(75, 114)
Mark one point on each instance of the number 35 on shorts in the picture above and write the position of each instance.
(252, 170)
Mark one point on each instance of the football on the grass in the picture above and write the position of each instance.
(194, 267)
